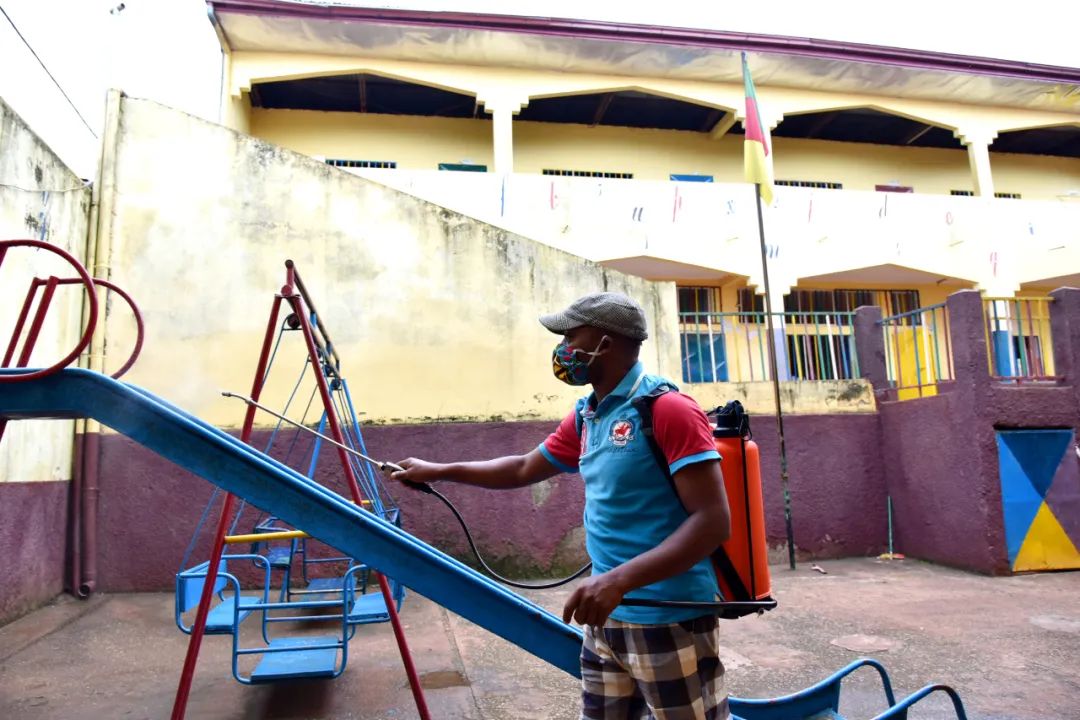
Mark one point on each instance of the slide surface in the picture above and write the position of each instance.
(240, 469)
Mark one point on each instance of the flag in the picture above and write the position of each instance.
(756, 164)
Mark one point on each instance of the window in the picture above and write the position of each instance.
(894, 188)
(891, 302)
(699, 300)
(589, 173)
(701, 335)
(676, 177)
(818, 184)
(750, 302)
(1004, 195)
(463, 167)
(337, 162)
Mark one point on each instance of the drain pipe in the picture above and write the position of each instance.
(100, 246)
(74, 515)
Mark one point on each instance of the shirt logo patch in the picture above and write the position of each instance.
(622, 432)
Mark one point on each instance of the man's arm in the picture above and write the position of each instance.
(503, 473)
(701, 489)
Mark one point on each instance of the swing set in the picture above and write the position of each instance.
(316, 585)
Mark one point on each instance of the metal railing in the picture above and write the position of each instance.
(1018, 340)
(733, 346)
(917, 351)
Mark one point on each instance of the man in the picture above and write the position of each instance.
(645, 540)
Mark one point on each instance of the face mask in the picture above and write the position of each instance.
(568, 368)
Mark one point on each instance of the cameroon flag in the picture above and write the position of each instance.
(756, 146)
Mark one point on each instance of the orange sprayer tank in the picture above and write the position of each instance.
(746, 547)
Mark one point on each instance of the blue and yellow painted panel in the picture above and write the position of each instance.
(1040, 497)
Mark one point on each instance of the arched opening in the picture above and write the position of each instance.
(866, 148)
(626, 133)
(625, 108)
(363, 93)
(1055, 140)
(1037, 162)
(866, 125)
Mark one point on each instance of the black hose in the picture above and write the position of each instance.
(720, 606)
(487, 568)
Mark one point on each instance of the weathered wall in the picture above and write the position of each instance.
(435, 312)
(40, 199)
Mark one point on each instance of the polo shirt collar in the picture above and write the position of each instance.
(626, 387)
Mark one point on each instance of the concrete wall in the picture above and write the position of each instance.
(40, 199)
(434, 312)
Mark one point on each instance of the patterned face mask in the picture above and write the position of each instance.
(566, 365)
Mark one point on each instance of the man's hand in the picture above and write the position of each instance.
(594, 599)
(418, 471)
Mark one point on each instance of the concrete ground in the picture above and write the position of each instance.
(1011, 646)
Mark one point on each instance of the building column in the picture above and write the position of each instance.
(502, 112)
(978, 149)
(870, 348)
(776, 300)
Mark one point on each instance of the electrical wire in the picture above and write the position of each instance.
(46, 69)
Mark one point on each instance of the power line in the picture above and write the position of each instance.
(43, 67)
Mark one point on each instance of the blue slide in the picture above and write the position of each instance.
(240, 469)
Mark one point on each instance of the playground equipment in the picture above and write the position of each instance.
(298, 501)
(822, 701)
(343, 596)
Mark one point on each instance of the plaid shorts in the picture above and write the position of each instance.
(666, 672)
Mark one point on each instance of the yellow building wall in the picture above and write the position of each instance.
(1036, 176)
(421, 143)
(928, 170)
(647, 153)
(861, 166)
(413, 142)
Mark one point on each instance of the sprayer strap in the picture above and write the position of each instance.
(721, 560)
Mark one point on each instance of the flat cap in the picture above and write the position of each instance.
(609, 311)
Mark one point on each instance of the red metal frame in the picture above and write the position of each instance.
(296, 295)
(91, 320)
(50, 286)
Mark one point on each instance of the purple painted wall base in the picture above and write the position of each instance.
(526, 532)
(836, 482)
(33, 521)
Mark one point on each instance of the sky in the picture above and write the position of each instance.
(166, 50)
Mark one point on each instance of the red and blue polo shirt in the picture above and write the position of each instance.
(630, 507)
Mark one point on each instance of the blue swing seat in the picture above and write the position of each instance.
(822, 701)
(224, 617)
(286, 659)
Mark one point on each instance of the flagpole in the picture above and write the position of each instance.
(775, 381)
